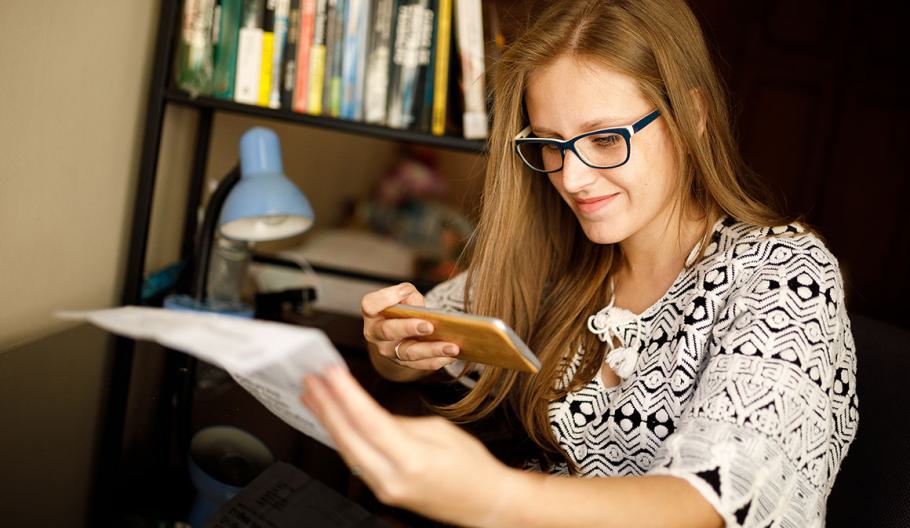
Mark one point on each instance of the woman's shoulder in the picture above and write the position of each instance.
(744, 259)
(790, 247)
(449, 294)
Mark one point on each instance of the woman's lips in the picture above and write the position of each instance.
(591, 205)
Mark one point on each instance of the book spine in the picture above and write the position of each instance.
(408, 35)
(355, 36)
(441, 66)
(318, 59)
(289, 66)
(282, 9)
(268, 48)
(377, 75)
(334, 100)
(194, 67)
(331, 11)
(402, 23)
(469, 31)
(249, 53)
(304, 54)
(423, 107)
(226, 28)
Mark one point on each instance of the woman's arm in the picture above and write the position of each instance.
(430, 466)
(538, 500)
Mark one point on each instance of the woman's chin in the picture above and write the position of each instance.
(599, 233)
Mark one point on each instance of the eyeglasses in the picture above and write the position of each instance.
(601, 149)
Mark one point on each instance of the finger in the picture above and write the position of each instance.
(353, 447)
(427, 364)
(395, 330)
(377, 301)
(368, 417)
(410, 350)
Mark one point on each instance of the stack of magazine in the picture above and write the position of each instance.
(417, 65)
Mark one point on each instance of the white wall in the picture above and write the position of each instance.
(73, 79)
(72, 102)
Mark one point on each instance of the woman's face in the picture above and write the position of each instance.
(574, 95)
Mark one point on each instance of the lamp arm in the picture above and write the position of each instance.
(206, 234)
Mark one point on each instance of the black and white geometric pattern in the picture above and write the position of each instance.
(745, 383)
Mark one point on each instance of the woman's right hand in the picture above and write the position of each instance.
(384, 334)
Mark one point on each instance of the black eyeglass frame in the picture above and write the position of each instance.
(569, 144)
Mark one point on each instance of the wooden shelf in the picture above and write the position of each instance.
(341, 125)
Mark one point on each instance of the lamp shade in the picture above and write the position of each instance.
(264, 205)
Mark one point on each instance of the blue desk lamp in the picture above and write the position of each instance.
(255, 202)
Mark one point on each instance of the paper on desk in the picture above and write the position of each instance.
(267, 359)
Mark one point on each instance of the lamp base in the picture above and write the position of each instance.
(188, 303)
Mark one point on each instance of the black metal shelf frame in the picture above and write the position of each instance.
(109, 473)
(329, 123)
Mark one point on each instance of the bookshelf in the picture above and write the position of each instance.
(178, 377)
(342, 125)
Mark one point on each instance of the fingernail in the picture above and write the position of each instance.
(424, 328)
(450, 350)
(404, 291)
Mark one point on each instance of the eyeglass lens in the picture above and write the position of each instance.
(599, 150)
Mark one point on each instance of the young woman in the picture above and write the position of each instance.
(698, 364)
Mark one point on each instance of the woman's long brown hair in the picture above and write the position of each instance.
(531, 265)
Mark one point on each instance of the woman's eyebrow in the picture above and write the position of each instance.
(587, 126)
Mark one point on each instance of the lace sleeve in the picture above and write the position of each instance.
(775, 407)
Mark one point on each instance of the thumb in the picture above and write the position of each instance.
(410, 295)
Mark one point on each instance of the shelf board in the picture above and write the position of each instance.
(341, 125)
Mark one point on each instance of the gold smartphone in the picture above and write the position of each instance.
(485, 340)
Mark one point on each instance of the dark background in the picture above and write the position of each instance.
(815, 93)
(815, 90)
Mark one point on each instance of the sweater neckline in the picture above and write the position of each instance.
(683, 274)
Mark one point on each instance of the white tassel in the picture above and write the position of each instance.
(622, 360)
(606, 324)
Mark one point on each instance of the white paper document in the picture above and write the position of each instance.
(267, 359)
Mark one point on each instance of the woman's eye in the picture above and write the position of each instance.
(606, 141)
(548, 147)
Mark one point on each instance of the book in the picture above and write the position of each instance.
(423, 105)
(356, 34)
(282, 9)
(377, 76)
(333, 103)
(318, 59)
(193, 67)
(289, 66)
(331, 12)
(469, 34)
(405, 62)
(441, 67)
(268, 48)
(249, 53)
(304, 50)
(225, 30)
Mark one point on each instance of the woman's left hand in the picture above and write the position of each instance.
(427, 465)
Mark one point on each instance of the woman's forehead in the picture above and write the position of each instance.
(572, 95)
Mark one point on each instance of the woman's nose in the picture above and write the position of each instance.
(575, 174)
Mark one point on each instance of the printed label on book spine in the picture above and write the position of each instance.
(249, 59)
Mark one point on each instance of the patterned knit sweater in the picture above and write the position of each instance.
(742, 379)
